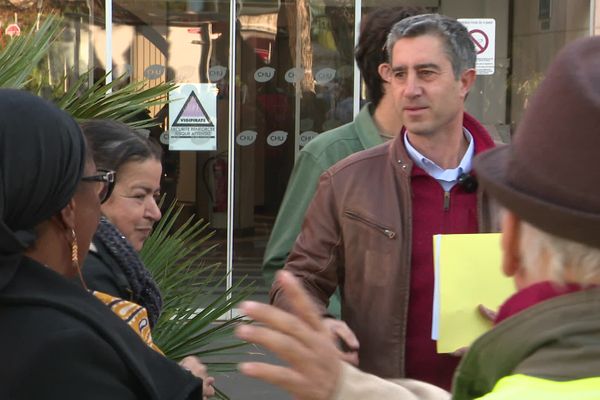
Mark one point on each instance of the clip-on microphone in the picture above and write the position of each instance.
(468, 182)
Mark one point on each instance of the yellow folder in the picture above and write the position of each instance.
(467, 273)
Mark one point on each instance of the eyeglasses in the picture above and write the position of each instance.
(107, 178)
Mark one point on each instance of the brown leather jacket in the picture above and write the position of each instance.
(357, 234)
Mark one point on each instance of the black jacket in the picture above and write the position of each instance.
(59, 342)
(102, 272)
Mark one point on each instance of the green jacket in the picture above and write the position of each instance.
(317, 156)
(548, 351)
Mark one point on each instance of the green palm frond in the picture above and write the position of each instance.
(22, 54)
(124, 101)
(194, 299)
(127, 101)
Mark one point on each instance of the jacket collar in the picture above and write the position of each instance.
(533, 342)
(533, 295)
(368, 133)
(399, 156)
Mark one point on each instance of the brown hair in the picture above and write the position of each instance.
(370, 50)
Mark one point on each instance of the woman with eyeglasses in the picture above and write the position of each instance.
(57, 340)
(114, 270)
(128, 214)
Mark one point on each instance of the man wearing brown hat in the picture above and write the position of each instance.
(546, 342)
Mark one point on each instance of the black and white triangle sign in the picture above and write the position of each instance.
(192, 113)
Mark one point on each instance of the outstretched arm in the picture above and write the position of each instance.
(315, 370)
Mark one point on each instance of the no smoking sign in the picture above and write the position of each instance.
(480, 40)
(483, 34)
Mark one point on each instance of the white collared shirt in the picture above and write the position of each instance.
(445, 177)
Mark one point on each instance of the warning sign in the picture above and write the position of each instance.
(192, 117)
(480, 40)
(192, 113)
(483, 35)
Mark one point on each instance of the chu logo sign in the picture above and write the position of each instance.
(277, 138)
(264, 74)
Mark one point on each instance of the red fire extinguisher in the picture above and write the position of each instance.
(220, 182)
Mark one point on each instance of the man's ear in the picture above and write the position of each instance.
(66, 216)
(385, 72)
(467, 80)
(511, 243)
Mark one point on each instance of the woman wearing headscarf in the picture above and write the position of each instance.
(57, 340)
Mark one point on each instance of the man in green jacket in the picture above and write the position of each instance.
(546, 342)
(376, 122)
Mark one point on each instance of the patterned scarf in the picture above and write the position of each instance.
(144, 290)
(133, 314)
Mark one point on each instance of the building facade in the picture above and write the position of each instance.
(269, 75)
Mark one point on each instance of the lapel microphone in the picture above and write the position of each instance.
(468, 182)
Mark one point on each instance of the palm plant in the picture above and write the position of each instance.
(193, 301)
(116, 100)
(119, 100)
(193, 298)
(21, 55)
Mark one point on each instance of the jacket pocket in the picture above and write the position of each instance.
(384, 230)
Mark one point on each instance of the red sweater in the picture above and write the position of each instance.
(431, 217)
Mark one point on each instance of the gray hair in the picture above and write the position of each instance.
(457, 43)
(581, 261)
(114, 143)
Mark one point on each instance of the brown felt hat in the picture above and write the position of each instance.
(550, 175)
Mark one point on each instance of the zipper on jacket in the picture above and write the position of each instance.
(386, 231)
(446, 201)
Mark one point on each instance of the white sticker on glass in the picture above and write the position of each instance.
(306, 137)
(154, 71)
(324, 75)
(246, 138)
(164, 137)
(277, 138)
(264, 74)
(294, 75)
(216, 73)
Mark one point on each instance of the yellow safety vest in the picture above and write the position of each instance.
(531, 388)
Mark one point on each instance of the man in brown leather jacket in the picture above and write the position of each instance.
(369, 227)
